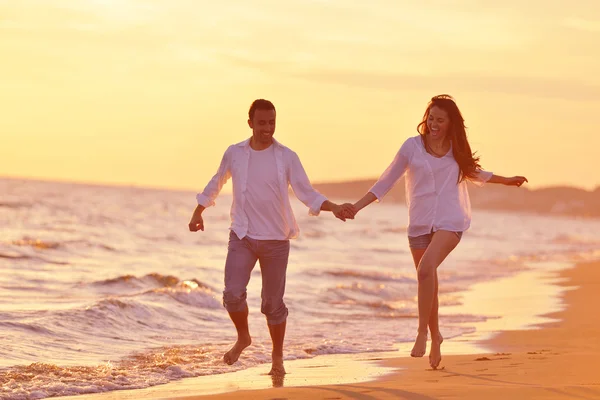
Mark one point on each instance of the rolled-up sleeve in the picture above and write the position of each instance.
(481, 177)
(393, 172)
(302, 187)
(213, 188)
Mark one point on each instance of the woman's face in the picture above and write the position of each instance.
(438, 123)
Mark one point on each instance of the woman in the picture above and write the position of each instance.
(437, 163)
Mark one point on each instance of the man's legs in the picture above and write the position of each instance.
(241, 259)
(273, 258)
(277, 336)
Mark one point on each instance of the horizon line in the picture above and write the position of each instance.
(186, 189)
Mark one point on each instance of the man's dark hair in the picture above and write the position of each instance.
(260, 104)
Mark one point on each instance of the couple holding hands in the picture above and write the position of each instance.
(436, 164)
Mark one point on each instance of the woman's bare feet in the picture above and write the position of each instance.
(435, 353)
(420, 346)
(232, 355)
(277, 368)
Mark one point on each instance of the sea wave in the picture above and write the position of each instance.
(371, 275)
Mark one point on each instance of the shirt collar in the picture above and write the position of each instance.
(246, 143)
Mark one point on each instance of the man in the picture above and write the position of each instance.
(262, 223)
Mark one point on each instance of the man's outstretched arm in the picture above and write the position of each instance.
(314, 200)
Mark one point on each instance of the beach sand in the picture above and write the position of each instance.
(557, 361)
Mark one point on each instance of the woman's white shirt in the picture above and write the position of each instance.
(435, 199)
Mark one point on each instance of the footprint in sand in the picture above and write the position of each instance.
(491, 359)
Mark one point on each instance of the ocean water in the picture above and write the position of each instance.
(104, 288)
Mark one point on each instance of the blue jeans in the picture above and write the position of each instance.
(272, 256)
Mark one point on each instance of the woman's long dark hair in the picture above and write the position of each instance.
(468, 163)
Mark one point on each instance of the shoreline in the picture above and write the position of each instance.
(469, 359)
(555, 360)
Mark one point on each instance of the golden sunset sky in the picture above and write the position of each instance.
(151, 92)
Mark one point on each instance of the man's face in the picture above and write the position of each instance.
(263, 126)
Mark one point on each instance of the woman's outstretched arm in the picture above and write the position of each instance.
(512, 181)
(364, 201)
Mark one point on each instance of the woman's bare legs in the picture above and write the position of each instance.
(420, 345)
(436, 337)
(426, 261)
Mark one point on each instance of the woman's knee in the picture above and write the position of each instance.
(425, 271)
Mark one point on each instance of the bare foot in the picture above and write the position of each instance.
(232, 355)
(420, 346)
(277, 368)
(435, 354)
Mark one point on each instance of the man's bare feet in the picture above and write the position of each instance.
(277, 368)
(435, 353)
(420, 346)
(232, 355)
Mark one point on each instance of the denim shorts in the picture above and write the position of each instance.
(422, 241)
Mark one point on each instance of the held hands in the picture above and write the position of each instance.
(516, 181)
(345, 211)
